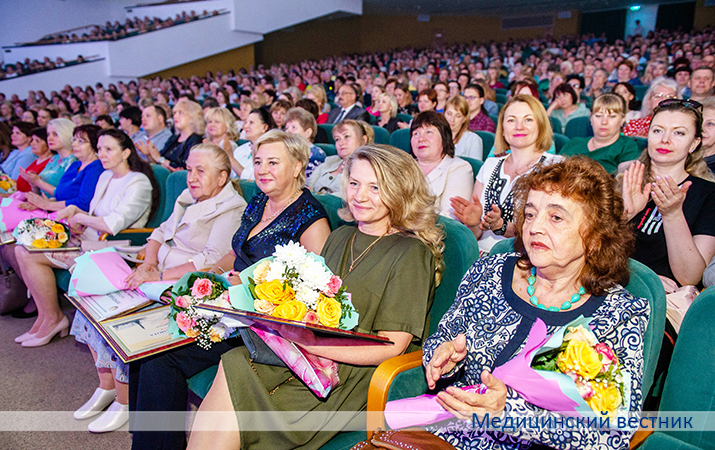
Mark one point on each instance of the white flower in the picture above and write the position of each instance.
(307, 295)
(276, 271)
(221, 330)
(291, 254)
(223, 301)
(313, 274)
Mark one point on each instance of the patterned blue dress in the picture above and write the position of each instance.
(496, 323)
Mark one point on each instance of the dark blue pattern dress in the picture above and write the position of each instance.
(288, 226)
(496, 323)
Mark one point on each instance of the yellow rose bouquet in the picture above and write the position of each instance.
(296, 285)
(7, 184)
(42, 234)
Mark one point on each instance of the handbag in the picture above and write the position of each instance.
(13, 292)
(409, 439)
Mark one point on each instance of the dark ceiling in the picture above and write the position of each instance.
(492, 7)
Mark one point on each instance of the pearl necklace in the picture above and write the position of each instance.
(535, 301)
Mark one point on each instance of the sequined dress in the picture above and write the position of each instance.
(288, 226)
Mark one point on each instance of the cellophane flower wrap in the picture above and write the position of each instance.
(206, 327)
(42, 233)
(7, 184)
(296, 285)
(592, 365)
(568, 372)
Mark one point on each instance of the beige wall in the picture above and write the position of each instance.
(232, 59)
(317, 39)
(704, 15)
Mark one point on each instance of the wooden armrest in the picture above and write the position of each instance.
(380, 385)
(137, 230)
(640, 435)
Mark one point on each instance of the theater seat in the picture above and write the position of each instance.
(401, 139)
(577, 127)
(328, 127)
(688, 386)
(382, 136)
(329, 149)
(487, 142)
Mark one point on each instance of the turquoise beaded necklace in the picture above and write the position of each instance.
(535, 301)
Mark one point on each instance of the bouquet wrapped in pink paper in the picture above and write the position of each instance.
(569, 372)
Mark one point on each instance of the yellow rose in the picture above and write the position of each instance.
(57, 228)
(291, 310)
(273, 292)
(263, 306)
(191, 332)
(48, 222)
(215, 336)
(605, 398)
(329, 312)
(260, 272)
(4, 185)
(580, 358)
(39, 243)
(62, 237)
(53, 244)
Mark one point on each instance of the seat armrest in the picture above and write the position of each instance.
(640, 435)
(136, 230)
(380, 386)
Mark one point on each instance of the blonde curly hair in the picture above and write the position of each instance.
(404, 191)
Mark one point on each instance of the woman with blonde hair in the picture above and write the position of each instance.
(386, 106)
(397, 254)
(190, 127)
(607, 146)
(466, 143)
(221, 128)
(669, 196)
(316, 92)
(348, 135)
(523, 129)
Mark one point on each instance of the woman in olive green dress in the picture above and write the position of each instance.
(390, 263)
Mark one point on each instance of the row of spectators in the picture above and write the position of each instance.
(117, 30)
(28, 67)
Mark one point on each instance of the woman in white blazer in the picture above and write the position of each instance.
(126, 196)
(196, 235)
(447, 176)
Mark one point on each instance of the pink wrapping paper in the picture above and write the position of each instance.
(319, 374)
(11, 215)
(421, 410)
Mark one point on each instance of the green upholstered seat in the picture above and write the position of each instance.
(161, 174)
(556, 125)
(475, 163)
(559, 141)
(577, 127)
(329, 149)
(382, 136)
(328, 127)
(248, 189)
(642, 143)
(401, 139)
(487, 141)
(688, 385)
(240, 142)
(404, 117)
(643, 283)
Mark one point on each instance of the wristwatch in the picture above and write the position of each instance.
(502, 230)
(161, 160)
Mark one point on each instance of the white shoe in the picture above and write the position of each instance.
(24, 337)
(116, 416)
(99, 400)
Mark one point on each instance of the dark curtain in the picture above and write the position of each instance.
(676, 15)
(613, 23)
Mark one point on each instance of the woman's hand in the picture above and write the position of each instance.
(26, 206)
(30, 176)
(668, 197)
(469, 213)
(635, 197)
(38, 201)
(492, 220)
(445, 358)
(67, 213)
(149, 149)
(142, 274)
(75, 225)
(233, 278)
(464, 404)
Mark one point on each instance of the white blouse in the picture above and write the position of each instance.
(470, 145)
(122, 202)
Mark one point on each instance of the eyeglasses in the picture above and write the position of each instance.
(471, 98)
(679, 101)
(79, 141)
(661, 95)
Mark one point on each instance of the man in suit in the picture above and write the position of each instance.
(348, 95)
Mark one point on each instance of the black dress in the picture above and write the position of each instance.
(159, 383)
(177, 152)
